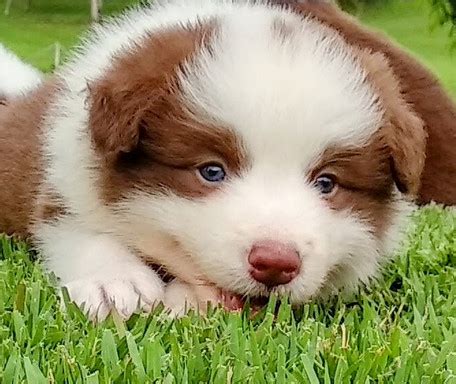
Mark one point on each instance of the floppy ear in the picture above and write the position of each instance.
(138, 84)
(403, 129)
(116, 112)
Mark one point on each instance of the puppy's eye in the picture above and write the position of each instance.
(212, 173)
(325, 184)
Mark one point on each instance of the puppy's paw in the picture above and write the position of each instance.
(131, 290)
(180, 297)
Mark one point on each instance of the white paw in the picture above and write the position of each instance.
(180, 297)
(135, 289)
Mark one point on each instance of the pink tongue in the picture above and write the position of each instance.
(232, 302)
(235, 303)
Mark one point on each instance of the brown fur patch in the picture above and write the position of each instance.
(419, 87)
(403, 129)
(146, 138)
(21, 165)
(48, 208)
(364, 181)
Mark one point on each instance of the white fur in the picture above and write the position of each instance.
(286, 99)
(98, 271)
(180, 297)
(16, 77)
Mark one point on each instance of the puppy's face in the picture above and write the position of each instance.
(272, 153)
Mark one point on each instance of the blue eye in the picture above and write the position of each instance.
(325, 184)
(213, 173)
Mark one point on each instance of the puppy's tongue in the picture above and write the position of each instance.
(234, 302)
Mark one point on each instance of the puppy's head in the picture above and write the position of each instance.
(278, 157)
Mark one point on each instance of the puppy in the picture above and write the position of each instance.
(241, 146)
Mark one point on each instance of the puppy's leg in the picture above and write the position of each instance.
(180, 297)
(99, 272)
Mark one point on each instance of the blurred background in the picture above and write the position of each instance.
(44, 31)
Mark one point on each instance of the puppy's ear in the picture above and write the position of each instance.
(115, 118)
(404, 131)
(138, 84)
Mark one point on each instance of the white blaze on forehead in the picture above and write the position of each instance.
(300, 89)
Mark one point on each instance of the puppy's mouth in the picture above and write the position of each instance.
(235, 302)
(230, 301)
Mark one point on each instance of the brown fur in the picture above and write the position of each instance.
(419, 87)
(21, 164)
(364, 181)
(403, 129)
(146, 138)
(48, 207)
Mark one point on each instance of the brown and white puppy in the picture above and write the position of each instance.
(235, 143)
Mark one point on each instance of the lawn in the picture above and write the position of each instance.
(400, 330)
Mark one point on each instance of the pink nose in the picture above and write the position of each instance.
(273, 263)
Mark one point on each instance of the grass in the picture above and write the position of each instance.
(33, 33)
(401, 330)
